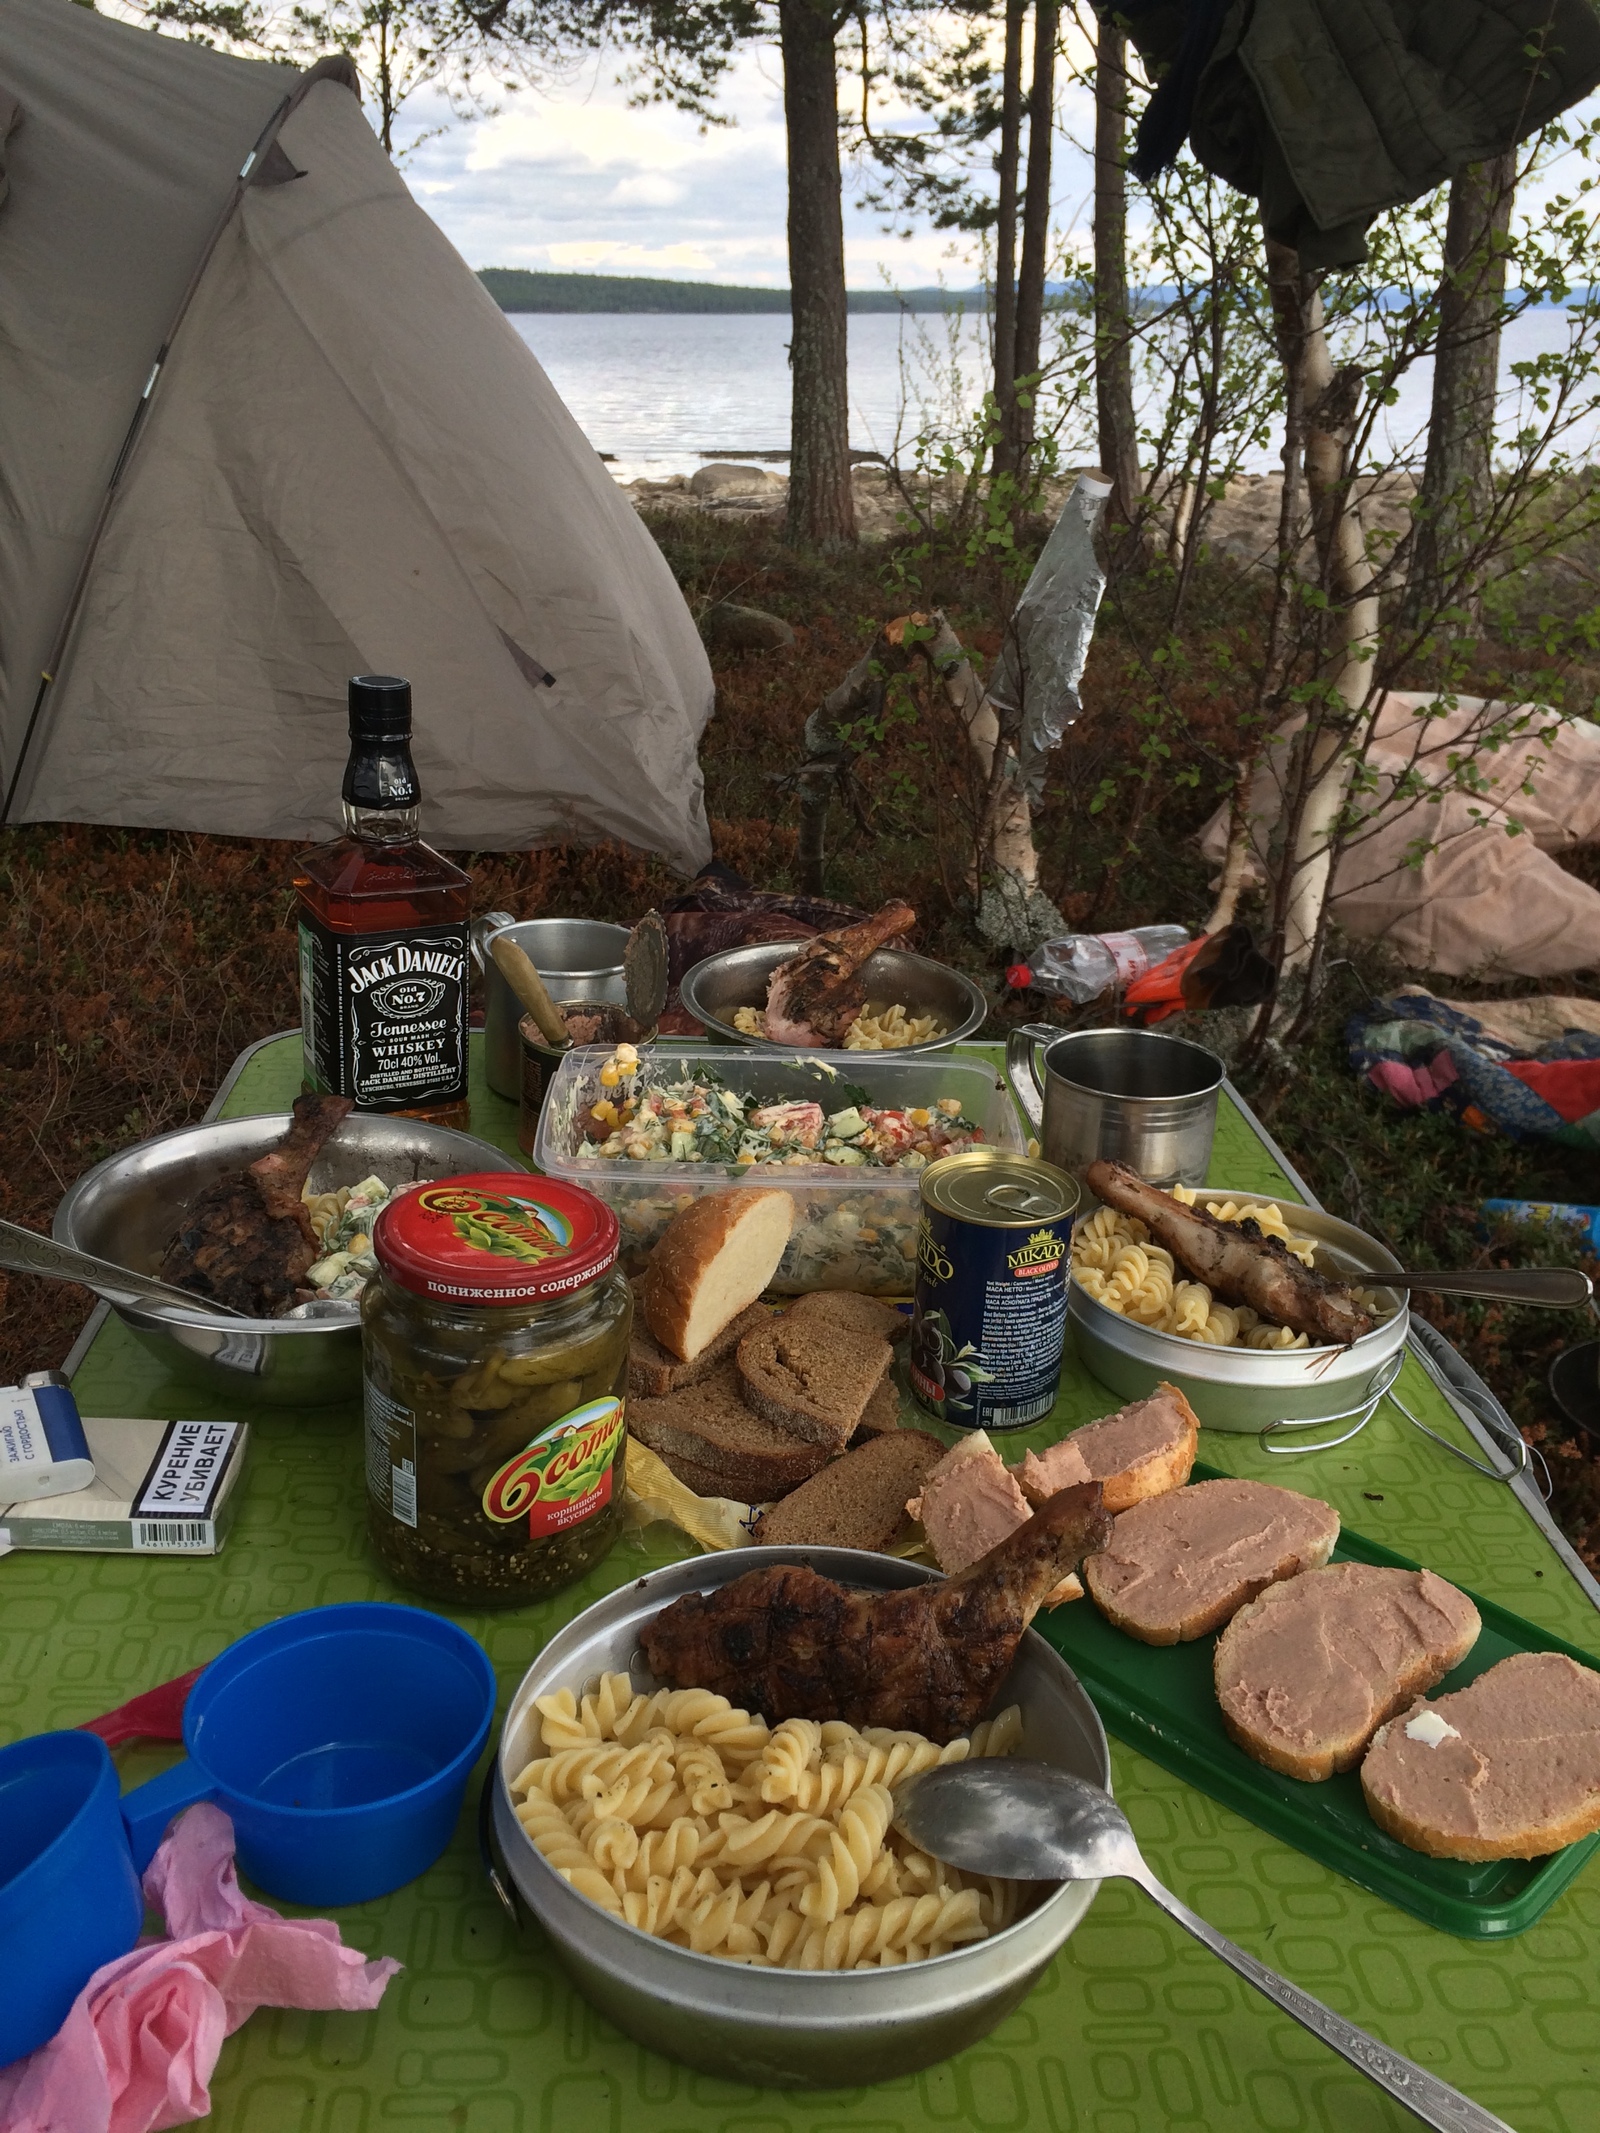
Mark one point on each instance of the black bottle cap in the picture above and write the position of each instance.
(380, 708)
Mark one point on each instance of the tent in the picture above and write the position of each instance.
(261, 429)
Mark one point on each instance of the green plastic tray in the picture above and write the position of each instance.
(1160, 1698)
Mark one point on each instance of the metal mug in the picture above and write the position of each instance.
(1133, 1096)
(578, 958)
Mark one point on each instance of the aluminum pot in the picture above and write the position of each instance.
(1296, 1395)
(782, 2028)
(127, 1209)
(1133, 1096)
(716, 988)
(578, 958)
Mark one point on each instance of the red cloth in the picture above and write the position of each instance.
(1570, 1086)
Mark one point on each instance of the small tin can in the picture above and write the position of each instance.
(991, 1294)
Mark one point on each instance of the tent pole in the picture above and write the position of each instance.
(336, 68)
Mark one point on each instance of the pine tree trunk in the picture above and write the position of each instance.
(1005, 242)
(1119, 437)
(1457, 492)
(1035, 215)
(822, 510)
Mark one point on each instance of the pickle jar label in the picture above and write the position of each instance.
(564, 1476)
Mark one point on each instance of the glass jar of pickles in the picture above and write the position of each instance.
(495, 1359)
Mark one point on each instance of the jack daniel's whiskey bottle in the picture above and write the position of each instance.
(383, 933)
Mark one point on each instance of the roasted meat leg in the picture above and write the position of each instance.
(814, 997)
(791, 1644)
(1235, 1260)
(247, 1239)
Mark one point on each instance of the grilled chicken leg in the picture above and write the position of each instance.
(814, 997)
(1235, 1260)
(791, 1644)
(247, 1239)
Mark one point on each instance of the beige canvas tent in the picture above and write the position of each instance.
(261, 429)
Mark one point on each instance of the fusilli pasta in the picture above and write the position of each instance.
(698, 1823)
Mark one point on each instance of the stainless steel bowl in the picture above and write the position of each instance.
(578, 958)
(738, 978)
(128, 1208)
(784, 2028)
(1248, 1389)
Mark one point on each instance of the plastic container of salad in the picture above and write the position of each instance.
(855, 1215)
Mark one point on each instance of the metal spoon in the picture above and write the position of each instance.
(24, 1251)
(1033, 1821)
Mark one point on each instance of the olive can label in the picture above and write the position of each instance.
(564, 1476)
(990, 1320)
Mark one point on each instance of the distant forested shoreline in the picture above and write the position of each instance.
(521, 289)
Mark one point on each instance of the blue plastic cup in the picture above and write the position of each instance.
(69, 1896)
(339, 1741)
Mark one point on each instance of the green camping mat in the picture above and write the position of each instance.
(1133, 2029)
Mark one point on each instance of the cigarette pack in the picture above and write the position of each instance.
(159, 1488)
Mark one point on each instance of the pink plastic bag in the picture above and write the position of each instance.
(138, 2049)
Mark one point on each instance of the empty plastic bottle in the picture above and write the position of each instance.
(1081, 966)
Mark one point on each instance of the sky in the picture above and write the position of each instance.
(575, 179)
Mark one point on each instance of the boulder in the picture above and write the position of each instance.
(744, 629)
(721, 478)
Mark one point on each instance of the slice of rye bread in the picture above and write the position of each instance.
(811, 1377)
(1506, 1768)
(1180, 1565)
(711, 1262)
(1306, 1674)
(858, 1501)
(717, 1447)
(1143, 1450)
(881, 1413)
(849, 1313)
(653, 1371)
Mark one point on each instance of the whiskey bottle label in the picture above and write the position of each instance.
(383, 1016)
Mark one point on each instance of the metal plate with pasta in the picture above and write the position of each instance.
(1114, 1262)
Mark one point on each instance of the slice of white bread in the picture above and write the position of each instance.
(1506, 1768)
(717, 1447)
(1142, 1450)
(858, 1501)
(1178, 1566)
(807, 1374)
(1306, 1674)
(711, 1262)
(653, 1372)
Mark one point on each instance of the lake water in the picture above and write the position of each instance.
(661, 391)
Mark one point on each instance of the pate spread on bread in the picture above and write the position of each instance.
(1180, 1565)
(1307, 1673)
(1506, 1768)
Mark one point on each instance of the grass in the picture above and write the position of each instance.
(136, 965)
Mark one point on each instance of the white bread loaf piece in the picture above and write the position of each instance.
(711, 1262)
(1506, 1768)
(1178, 1566)
(1307, 1673)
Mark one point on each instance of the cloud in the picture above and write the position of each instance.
(576, 177)
(650, 189)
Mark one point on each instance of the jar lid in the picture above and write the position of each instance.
(496, 1237)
